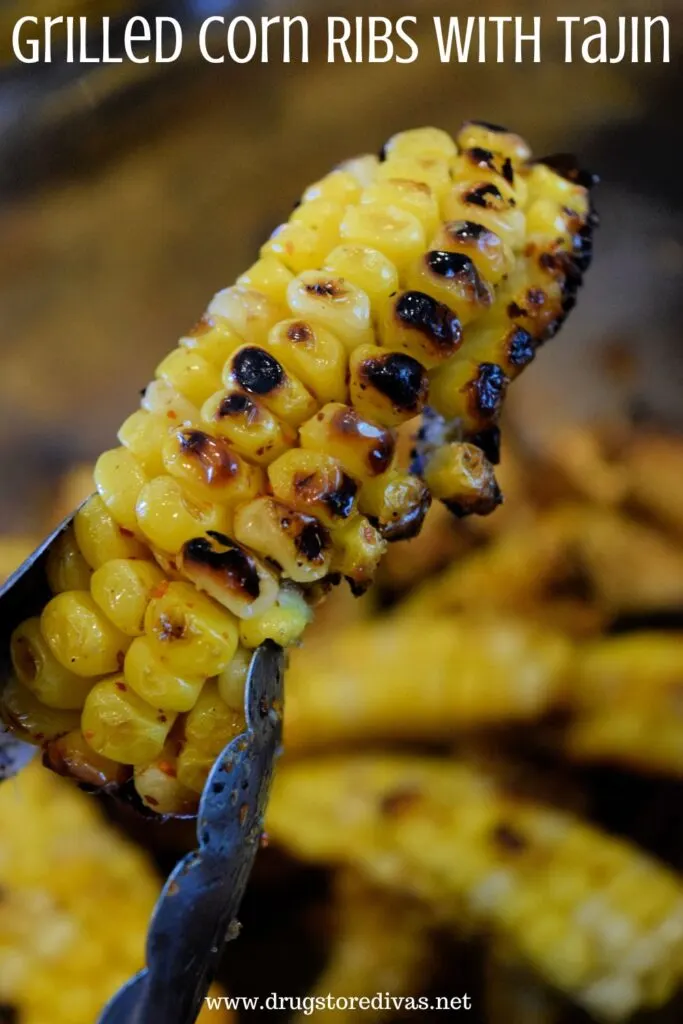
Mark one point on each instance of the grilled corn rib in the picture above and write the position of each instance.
(262, 463)
(595, 917)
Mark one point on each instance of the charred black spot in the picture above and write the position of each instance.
(515, 311)
(8, 1014)
(234, 405)
(410, 523)
(509, 838)
(400, 800)
(431, 318)
(488, 389)
(481, 157)
(521, 348)
(340, 502)
(326, 289)
(481, 195)
(508, 172)
(466, 230)
(489, 127)
(477, 505)
(312, 541)
(257, 371)
(232, 562)
(536, 296)
(400, 378)
(215, 458)
(489, 442)
(450, 264)
(567, 166)
(195, 441)
(300, 331)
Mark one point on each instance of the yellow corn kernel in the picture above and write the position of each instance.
(334, 302)
(250, 313)
(479, 135)
(81, 638)
(547, 223)
(340, 186)
(40, 672)
(250, 428)
(230, 574)
(123, 588)
(362, 448)
(386, 387)
(208, 469)
(297, 245)
(30, 718)
(268, 276)
(490, 255)
(543, 181)
(358, 548)
(71, 755)
(254, 370)
(431, 171)
(313, 483)
(363, 168)
(119, 478)
(158, 786)
(433, 142)
(284, 622)
(461, 476)
(209, 727)
(166, 401)
(298, 543)
(390, 229)
(189, 373)
(169, 519)
(397, 501)
(490, 205)
(323, 215)
(99, 538)
(367, 269)
(451, 278)
(413, 197)
(419, 325)
(212, 339)
(233, 680)
(314, 355)
(121, 726)
(157, 681)
(471, 391)
(66, 568)
(189, 631)
(144, 434)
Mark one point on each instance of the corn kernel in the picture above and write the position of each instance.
(255, 371)
(313, 355)
(461, 476)
(284, 622)
(340, 186)
(208, 469)
(452, 279)
(397, 501)
(213, 340)
(66, 568)
(313, 483)
(387, 388)
(362, 448)
(157, 681)
(123, 588)
(362, 169)
(250, 313)
(31, 719)
(144, 434)
(121, 726)
(432, 142)
(391, 229)
(476, 134)
(431, 171)
(71, 755)
(251, 429)
(472, 392)
(358, 548)
(119, 479)
(169, 519)
(334, 302)
(190, 374)
(489, 205)
(40, 672)
(298, 543)
(189, 631)
(99, 538)
(367, 269)
(165, 401)
(418, 324)
(230, 574)
(233, 680)
(487, 251)
(208, 729)
(268, 276)
(158, 786)
(297, 245)
(80, 637)
(413, 197)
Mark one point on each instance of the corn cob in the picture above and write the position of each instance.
(592, 915)
(76, 900)
(262, 463)
(365, 683)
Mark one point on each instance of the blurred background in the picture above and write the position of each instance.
(128, 196)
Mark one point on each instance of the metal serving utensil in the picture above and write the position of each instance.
(196, 912)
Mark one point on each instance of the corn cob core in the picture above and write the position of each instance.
(262, 464)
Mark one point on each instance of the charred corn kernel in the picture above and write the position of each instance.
(313, 483)
(358, 548)
(367, 269)
(163, 400)
(487, 251)
(546, 184)
(119, 725)
(419, 325)
(169, 518)
(213, 340)
(71, 755)
(298, 245)
(233, 680)
(251, 429)
(208, 729)
(397, 501)
(298, 543)
(479, 134)
(249, 313)
(268, 276)
(492, 206)
(190, 374)
(158, 786)
(386, 387)
(462, 477)
(207, 468)
(392, 230)
(453, 280)
(99, 538)
(340, 306)
(189, 631)
(80, 637)
(230, 574)
(470, 392)
(39, 671)
(119, 478)
(157, 681)
(143, 434)
(33, 720)
(283, 622)
(313, 355)
(122, 588)
(493, 167)
(340, 186)
(432, 171)
(431, 142)
(362, 448)
(66, 568)
(593, 915)
(497, 340)
(255, 371)
(413, 197)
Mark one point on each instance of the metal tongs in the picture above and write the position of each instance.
(196, 912)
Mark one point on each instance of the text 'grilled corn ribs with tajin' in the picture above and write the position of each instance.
(262, 465)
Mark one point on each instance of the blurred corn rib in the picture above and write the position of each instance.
(263, 462)
(413, 677)
(594, 916)
(76, 900)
